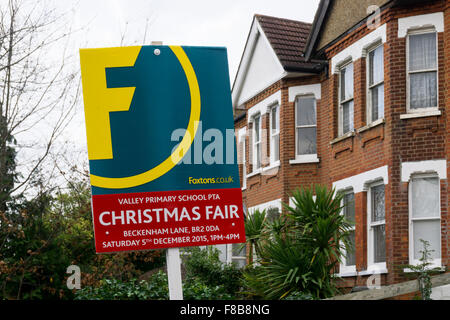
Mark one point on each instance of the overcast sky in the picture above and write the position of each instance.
(181, 22)
(174, 22)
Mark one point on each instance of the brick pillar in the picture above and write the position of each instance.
(361, 230)
(359, 84)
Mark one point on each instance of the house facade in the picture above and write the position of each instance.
(356, 101)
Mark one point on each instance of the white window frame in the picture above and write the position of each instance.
(371, 48)
(436, 69)
(231, 258)
(256, 143)
(304, 157)
(341, 102)
(273, 134)
(244, 164)
(412, 261)
(371, 265)
(345, 270)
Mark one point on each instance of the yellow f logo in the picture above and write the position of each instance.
(99, 101)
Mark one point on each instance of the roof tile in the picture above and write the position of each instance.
(288, 40)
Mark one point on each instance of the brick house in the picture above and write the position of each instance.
(355, 101)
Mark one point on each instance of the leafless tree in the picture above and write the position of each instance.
(39, 88)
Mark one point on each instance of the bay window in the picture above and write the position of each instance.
(422, 77)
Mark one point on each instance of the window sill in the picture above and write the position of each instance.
(347, 274)
(371, 125)
(271, 166)
(343, 137)
(312, 158)
(372, 271)
(254, 173)
(438, 266)
(420, 114)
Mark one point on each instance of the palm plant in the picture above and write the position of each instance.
(255, 231)
(308, 244)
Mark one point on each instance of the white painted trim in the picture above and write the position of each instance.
(305, 158)
(242, 132)
(360, 181)
(373, 271)
(420, 114)
(349, 273)
(245, 62)
(254, 173)
(291, 202)
(263, 106)
(266, 205)
(272, 165)
(435, 20)
(255, 32)
(427, 166)
(314, 89)
(274, 55)
(357, 49)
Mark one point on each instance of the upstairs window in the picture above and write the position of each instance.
(305, 126)
(274, 134)
(375, 94)
(422, 71)
(346, 99)
(257, 142)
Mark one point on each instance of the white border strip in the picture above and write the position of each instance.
(421, 21)
(357, 49)
(428, 166)
(360, 181)
(266, 205)
(314, 89)
(262, 107)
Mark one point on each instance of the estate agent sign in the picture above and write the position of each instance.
(161, 147)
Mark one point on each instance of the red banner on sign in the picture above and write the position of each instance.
(152, 220)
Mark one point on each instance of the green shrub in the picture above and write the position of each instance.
(199, 291)
(297, 254)
(156, 288)
(203, 266)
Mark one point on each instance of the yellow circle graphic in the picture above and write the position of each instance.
(183, 147)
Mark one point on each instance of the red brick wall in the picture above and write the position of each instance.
(389, 143)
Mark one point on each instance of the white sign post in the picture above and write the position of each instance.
(174, 273)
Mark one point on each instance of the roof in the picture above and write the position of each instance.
(288, 40)
(322, 17)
